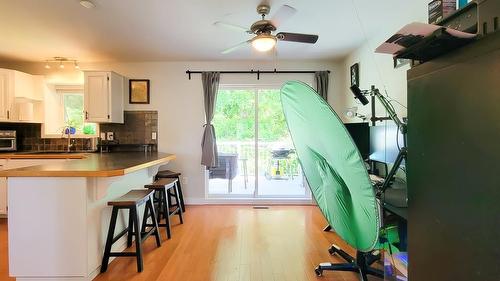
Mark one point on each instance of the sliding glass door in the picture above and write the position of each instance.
(256, 155)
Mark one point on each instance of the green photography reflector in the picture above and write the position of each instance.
(332, 166)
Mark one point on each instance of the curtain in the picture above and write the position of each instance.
(209, 153)
(322, 83)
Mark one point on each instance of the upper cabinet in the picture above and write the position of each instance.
(104, 92)
(20, 93)
(5, 95)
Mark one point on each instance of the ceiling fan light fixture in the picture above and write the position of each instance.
(264, 42)
(87, 4)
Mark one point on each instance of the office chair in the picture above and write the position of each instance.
(336, 174)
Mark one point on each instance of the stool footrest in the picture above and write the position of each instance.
(123, 254)
(146, 234)
(120, 235)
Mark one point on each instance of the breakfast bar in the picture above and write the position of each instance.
(58, 217)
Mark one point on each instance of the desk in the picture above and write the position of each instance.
(398, 211)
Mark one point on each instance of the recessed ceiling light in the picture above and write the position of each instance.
(87, 4)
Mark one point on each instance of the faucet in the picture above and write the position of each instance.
(67, 131)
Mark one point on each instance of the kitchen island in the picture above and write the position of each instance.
(58, 215)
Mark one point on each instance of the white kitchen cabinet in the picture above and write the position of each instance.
(3, 196)
(17, 90)
(6, 94)
(104, 93)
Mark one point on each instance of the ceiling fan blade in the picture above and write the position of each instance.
(297, 37)
(235, 47)
(283, 14)
(232, 26)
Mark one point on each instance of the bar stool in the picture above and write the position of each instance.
(162, 188)
(176, 175)
(131, 201)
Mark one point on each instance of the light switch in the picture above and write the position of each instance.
(153, 135)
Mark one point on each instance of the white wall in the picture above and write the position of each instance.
(377, 69)
(179, 101)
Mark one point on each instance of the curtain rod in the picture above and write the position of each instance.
(258, 72)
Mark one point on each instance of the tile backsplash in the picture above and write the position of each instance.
(136, 131)
(29, 139)
(131, 136)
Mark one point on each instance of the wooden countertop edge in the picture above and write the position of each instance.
(103, 173)
(48, 156)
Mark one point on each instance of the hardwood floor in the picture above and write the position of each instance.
(231, 243)
(4, 259)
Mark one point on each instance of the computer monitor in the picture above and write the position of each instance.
(360, 133)
(385, 141)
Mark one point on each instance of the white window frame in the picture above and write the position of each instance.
(62, 90)
(255, 197)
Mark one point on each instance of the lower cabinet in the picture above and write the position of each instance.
(6, 164)
(3, 196)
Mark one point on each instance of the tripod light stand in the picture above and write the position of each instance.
(403, 151)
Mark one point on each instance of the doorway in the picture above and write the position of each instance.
(256, 154)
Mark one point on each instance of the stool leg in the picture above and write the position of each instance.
(179, 207)
(130, 232)
(109, 240)
(169, 198)
(160, 204)
(181, 197)
(166, 210)
(138, 240)
(145, 218)
(149, 205)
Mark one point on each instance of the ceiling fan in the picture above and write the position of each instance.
(263, 29)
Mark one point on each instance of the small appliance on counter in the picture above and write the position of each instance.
(8, 140)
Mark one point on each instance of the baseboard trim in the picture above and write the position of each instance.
(248, 201)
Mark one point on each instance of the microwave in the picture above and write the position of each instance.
(8, 141)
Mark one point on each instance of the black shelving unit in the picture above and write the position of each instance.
(453, 165)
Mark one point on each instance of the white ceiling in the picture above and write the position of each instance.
(160, 30)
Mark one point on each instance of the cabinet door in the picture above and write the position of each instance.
(3, 196)
(4, 95)
(96, 91)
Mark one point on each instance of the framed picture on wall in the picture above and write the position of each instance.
(138, 91)
(355, 74)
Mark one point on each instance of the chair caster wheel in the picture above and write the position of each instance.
(332, 251)
(318, 271)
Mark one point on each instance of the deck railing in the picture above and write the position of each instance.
(246, 153)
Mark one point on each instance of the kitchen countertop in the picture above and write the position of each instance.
(43, 155)
(88, 165)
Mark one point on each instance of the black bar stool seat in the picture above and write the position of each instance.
(176, 175)
(165, 189)
(131, 201)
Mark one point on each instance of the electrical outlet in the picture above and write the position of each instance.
(110, 136)
(184, 180)
(103, 136)
(153, 135)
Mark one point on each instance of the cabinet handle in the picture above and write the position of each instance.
(108, 116)
(86, 115)
(8, 114)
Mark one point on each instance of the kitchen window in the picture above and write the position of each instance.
(74, 116)
(64, 107)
